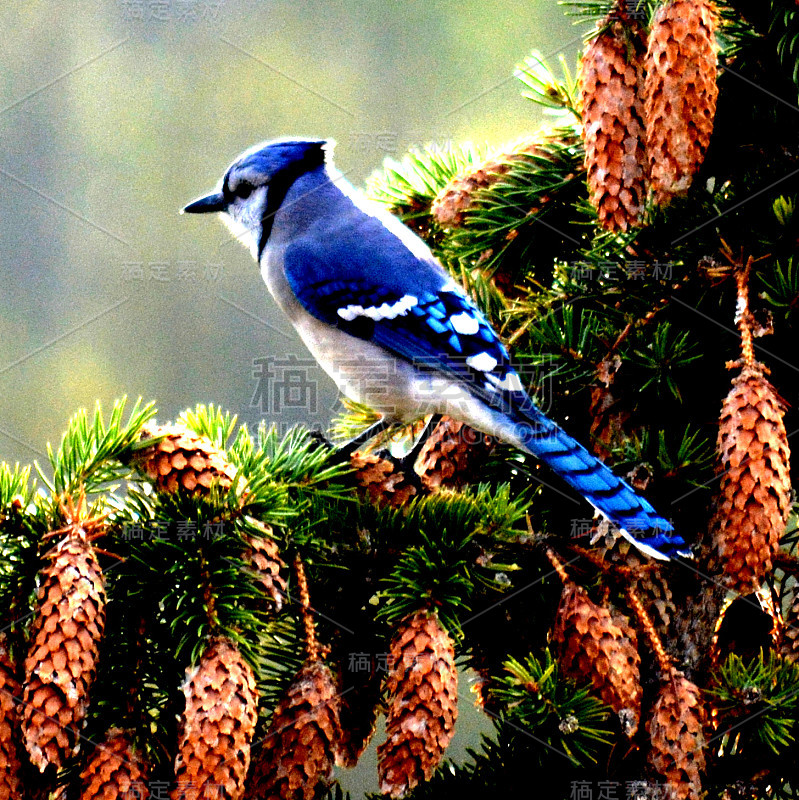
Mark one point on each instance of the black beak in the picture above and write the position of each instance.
(206, 205)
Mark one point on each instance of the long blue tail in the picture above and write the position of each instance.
(633, 514)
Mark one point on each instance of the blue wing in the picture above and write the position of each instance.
(381, 286)
(373, 287)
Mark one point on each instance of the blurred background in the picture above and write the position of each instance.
(114, 114)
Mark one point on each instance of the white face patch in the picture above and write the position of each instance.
(243, 219)
(384, 311)
(464, 323)
(482, 362)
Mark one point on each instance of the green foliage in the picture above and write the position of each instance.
(660, 354)
(566, 719)
(408, 187)
(524, 217)
(569, 340)
(758, 703)
(597, 10)
(544, 88)
(356, 418)
(785, 26)
(15, 486)
(281, 474)
(633, 327)
(90, 453)
(211, 422)
(688, 453)
(439, 567)
(21, 526)
(781, 286)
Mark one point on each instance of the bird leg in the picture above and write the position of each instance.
(409, 460)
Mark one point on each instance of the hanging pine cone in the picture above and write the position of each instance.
(382, 480)
(300, 747)
(62, 658)
(361, 698)
(677, 739)
(608, 417)
(217, 725)
(114, 771)
(789, 647)
(263, 556)
(423, 706)
(457, 197)
(602, 647)
(10, 697)
(680, 92)
(183, 460)
(754, 493)
(452, 456)
(646, 578)
(611, 88)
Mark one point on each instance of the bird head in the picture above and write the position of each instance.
(255, 184)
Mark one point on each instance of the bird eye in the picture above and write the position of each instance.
(243, 190)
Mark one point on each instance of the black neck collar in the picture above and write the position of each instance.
(278, 188)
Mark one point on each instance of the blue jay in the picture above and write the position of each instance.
(368, 299)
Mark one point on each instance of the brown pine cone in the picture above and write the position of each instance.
(789, 646)
(361, 700)
(452, 456)
(114, 771)
(300, 747)
(184, 461)
(382, 480)
(611, 87)
(10, 744)
(600, 646)
(647, 578)
(680, 92)
(217, 725)
(677, 737)
(423, 705)
(457, 197)
(263, 556)
(609, 418)
(753, 503)
(62, 659)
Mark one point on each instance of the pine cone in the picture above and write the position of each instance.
(789, 646)
(10, 745)
(457, 197)
(754, 493)
(680, 92)
(452, 456)
(677, 738)
(114, 770)
(647, 580)
(301, 744)
(263, 556)
(611, 84)
(423, 706)
(183, 460)
(361, 698)
(62, 658)
(217, 725)
(602, 647)
(382, 480)
(609, 418)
